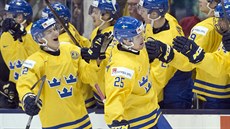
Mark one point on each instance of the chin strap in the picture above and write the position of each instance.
(46, 46)
(210, 9)
(103, 21)
(129, 47)
(153, 20)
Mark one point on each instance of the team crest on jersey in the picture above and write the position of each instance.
(65, 92)
(74, 54)
(70, 79)
(54, 82)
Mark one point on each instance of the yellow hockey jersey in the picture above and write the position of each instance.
(162, 71)
(83, 42)
(63, 104)
(130, 93)
(14, 53)
(206, 36)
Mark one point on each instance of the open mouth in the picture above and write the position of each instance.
(56, 39)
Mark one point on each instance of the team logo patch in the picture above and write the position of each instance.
(200, 30)
(29, 64)
(74, 54)
(122, 71)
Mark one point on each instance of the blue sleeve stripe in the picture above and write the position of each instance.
(212, 85)
(157, 111)
(147, 123)
(212, 92)
(83, 126)
(69, 123)
(89, 100)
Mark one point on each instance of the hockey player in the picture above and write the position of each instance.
(16, 44)
(174, 86)
(129, 82)
(207, 37)
(216, 96)
(64, 13)
(215, 64)
(61, 99)
(104, 14)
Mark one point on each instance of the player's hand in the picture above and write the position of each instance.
(188, 48)
(14, 28)
(31, 108)
(157, 49)
(120, 124)
(94, 51)
(226, 41)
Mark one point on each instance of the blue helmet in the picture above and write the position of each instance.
(40, 26)
(61, 10)
(160, 6)
(20, 7)
(126, 28)
(220, 13)
(104, 6)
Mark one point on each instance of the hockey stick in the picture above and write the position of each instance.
(43, 78)
(4, 94)
(102, 97)
(62, 23)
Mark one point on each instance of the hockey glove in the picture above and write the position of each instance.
(94, 51)
(14, 28)
(226, 41)
(188, 48)
(108, 39)
(9, 94)
(157, 49)
(120, 125)
(31, 108)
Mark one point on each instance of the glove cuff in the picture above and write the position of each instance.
(26, 95)
(102, 56)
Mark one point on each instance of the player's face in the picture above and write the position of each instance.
(96, 13)
(203, 6)
(138, 42)
(144, 13)
(222, 25)
(51, 35)
(133, 8)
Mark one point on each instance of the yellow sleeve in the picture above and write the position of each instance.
(216, 63)
(87, 71)
(117, 90)
(181, 62)
(29, 76)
